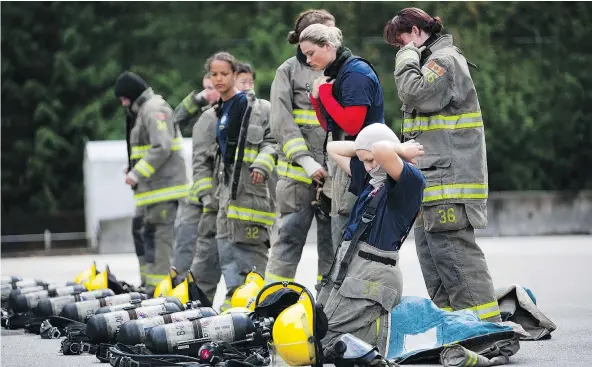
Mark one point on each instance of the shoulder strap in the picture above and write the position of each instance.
(240, 150)
(365, 223)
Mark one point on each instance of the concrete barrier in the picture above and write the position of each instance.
(536, 213)
(521, 213)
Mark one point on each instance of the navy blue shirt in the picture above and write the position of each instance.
(230, 116)
(395, 211)
(360, 87)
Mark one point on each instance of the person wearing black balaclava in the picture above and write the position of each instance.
(301, 165)
(156, 171)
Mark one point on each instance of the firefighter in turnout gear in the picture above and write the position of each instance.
(192, 106)
(192, 210)
(301, 161)
(158, 175)
(442, 113)
(245, 157)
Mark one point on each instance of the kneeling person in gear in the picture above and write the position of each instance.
(365, 281)
(158, 172)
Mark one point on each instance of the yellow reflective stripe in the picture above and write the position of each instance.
(272, 278)
(449, 309)
(201, 185)
(156, 196)
(319, 278)
(250, 215)
(305, 117)
(146, 166)
(471, 359)
(193, 199)
(154, 279)
(140, 151)
(295, 173)
(294, 145)
(377, 329)
(441, 122)
(142, 169)
(189, 105)
(266, 160)
(455, 191)
(486, 310)
(177, 144)
(249, 155)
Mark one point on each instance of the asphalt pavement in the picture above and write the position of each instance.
(558, 269)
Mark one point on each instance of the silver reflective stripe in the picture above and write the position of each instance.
(305, 117)
(441, 122)
(296, 173)
(156, 196)
(455, 191)
(250, 215)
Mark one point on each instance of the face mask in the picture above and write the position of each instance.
(373, 170)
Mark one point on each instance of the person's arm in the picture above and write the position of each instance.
(159, 123)
(316, 104)
(204, 137)
(342, 152)
(349, 118)
(389, 155)
(428, 88)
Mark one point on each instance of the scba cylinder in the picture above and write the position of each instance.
(54, 306)
(26, 283)
(64, 290)
(101, 328)
(29, 301)
(144, 303)
(229, 328)
(79, 311)
(10, 294)
(134, 332)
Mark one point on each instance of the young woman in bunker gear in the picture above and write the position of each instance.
(441, 111)
(300, 160)
(244, 158)
(347, 97)
(365, 281)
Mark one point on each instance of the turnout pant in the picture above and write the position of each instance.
(453, 265)
(159, 223)
(187, 236)
(138, 237)
(362, 304)
(294, 203)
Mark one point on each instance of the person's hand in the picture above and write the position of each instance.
(257, 177)
(129, 180)
(411, 149)
(319, 175)
(125, 170)
(317, 83)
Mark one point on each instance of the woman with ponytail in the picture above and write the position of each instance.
(300, 165)
(347, 97)
(442, 113)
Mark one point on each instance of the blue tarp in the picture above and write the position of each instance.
(417, 325)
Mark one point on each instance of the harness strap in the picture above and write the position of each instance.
(367, 219)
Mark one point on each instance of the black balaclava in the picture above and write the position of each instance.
(130, 85)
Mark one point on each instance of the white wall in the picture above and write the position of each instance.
(106, 196)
